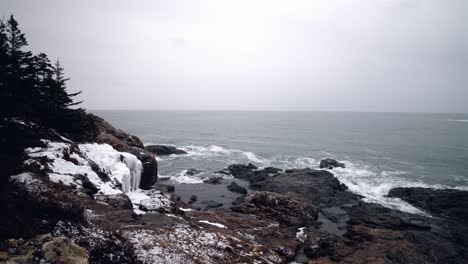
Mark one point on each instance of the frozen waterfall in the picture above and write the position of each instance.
(123, 167)
(131, 181)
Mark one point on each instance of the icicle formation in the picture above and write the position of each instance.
(131, 181)
(123, 167)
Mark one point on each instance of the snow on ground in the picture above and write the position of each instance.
(26, 179)
(122, 168)
(150, 200)
(182, 244)
(301, 235)
(213, 224)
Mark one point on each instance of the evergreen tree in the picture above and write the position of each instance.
(31, 87)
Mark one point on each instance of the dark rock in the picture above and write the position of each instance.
(100, 131)
(242, 171)
(317, 186)
(191, 172)
(193, 199)
(213, 180)
(234, 187)
(120, 200)
(166, 188)
(288, 210)
(211, 204)
(442, 203)
(270, 170)
(330, 164)
(164, 150)
(259, 176)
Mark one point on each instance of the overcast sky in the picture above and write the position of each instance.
(329, 55)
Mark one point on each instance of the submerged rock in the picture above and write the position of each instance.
(234, 187)
(330, 164)
(164, 150)
(211, 204)
(191, 172)
(213, 180)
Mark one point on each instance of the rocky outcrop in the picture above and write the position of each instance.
(250, 172)
(164, 150)
(44, 249)
(330, 164)
(286, 210)
(317, 186)
(240, 171)
(103, 132)
(441, 203)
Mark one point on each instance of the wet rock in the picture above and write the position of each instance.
(270, 170)
(442, 203)
(120, 200)
(330, 164)
(234, 187)
(317, 186)
(166, 188)
(193, 199)
(258, 177)
(191, 172)
(164, 150)
(241, 171)
(213, 180)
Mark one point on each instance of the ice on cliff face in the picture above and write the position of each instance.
(122, 168)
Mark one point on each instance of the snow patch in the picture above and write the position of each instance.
(301, 235)
(213, 224)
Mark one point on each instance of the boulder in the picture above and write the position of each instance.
(164, 150)
(234, 187)
(193, 199)
(63, 250)
(119, 200)
(330, 164)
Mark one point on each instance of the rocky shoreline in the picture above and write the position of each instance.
(90, 214)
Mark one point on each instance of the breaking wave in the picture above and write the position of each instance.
(458, 120)
(371, 182)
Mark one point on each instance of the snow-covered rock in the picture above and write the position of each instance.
(111, 172)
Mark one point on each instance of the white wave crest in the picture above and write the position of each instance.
(374, 186)
(458, 120)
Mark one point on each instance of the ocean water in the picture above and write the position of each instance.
(380, 150)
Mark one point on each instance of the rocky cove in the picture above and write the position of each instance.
(95, 198)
